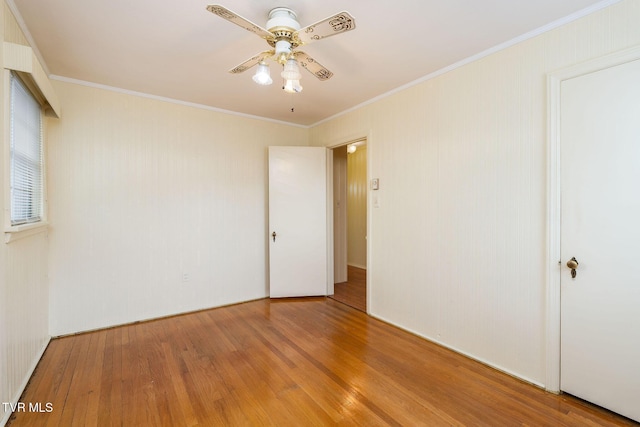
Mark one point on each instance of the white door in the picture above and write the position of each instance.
(600, 179)
(297, 221)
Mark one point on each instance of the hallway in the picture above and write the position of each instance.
(353, 292)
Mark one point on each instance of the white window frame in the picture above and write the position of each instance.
(16, 231)
(32, 164)
(22, 61)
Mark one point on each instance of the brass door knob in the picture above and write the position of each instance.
(573, 264)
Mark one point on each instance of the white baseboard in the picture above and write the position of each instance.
(463, 353)
(364, 267)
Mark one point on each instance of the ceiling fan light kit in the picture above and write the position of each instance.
(263, 74)
(291, 71)
(292, 86)
(291, 75)
(284, 35)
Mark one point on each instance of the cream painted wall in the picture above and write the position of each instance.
(155, 208)
(24, 297)
(458, 242)
(357, 207)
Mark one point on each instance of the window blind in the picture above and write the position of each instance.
(26, 155)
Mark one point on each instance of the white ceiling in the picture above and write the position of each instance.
(177, 49)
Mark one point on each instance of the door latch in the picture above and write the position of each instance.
(274, 236)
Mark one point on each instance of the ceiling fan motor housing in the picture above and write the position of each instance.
(283, 24)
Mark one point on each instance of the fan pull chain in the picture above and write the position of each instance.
(292, 103)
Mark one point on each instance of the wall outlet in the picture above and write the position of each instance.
(185, 277)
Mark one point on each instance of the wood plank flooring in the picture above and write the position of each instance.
(292, 362)
(353, 292)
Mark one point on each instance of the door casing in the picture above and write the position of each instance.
(330, 238)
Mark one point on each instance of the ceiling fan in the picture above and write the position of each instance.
(284, 35)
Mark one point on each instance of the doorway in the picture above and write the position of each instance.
(350, 224)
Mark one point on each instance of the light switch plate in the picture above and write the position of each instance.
(375, 183)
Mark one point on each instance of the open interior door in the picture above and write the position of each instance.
(297, 221)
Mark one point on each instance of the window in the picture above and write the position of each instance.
(26, 155)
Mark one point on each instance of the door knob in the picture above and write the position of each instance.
(573, 264)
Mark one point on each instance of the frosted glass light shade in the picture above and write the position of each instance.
(291, 70)
(292, 86)
(263, 75)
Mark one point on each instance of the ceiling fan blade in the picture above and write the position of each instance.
(251, 62)
(225, 13)
(336, 24)
(312, 66)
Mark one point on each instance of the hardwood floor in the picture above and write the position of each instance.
(286, 362)
(353, 292)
